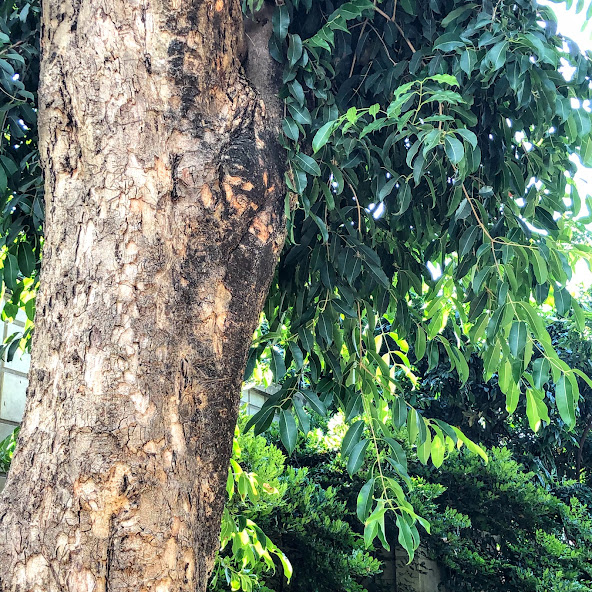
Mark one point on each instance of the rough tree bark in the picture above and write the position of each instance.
(164, 203)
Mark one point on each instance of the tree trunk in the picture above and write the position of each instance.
(164, 201)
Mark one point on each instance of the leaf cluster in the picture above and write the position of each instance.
(21, 183)
(479, 408)
(303, 511)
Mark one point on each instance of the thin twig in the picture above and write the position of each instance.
(388, 18)
(351, 70)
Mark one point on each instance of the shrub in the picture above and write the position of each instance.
(494, 528)
(307, 519)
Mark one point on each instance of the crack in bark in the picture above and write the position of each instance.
(110, 555)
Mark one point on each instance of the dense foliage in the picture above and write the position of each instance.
(302, 514)
(494, 528)
(432, 145)
(479, 408)
(21, 184)
(432, 148)
(6, 450)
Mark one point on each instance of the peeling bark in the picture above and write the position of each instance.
(164, 199)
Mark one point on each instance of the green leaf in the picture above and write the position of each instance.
(470, 444)
(296, 354)
(496, 56)
(356, 457)
(454, 149)
(352, 115)
(344, 308)
(300, 181)
(290, 128)
(420, 343)
(512, 397)
(30, 309)
(280, 21)
(540, 372)
(579, 316)
(562, 301)
(399, 412)
(583, 123)
(545, 219)
(431, 140)
(424, 449)
(457, 13)
(261, 420)
(352, 437)
(278, 367)
(536, 410)
(337, 179)
(478, 304)
(322, 226)
(26, 259)
(387, 189)
(288, 430)
(322, 136)
(325, 327)
(9, 165)
(300, 113)
(517, 177)
(12, 350)
(370, 532)
(306, 338)
(403, 199)
(3, 181)
(468, 59)
(433, 355)
(461, 365)
(364, 501)
(505, 376)
(467, 240)
(586, 152)
(518, 336)
(294, 49)
(10, 271)
(539, 266)
(314, 402)
(413, 420)
(405, 537)
(303, 417)
(378, 274)
(566, 401)
(448, 42)
(437, 449)
(467, 135)
(307, 164)
(297, 91)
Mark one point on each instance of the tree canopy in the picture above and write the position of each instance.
(432, 210)
(433, 146)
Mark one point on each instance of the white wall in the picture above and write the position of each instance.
(13, 381)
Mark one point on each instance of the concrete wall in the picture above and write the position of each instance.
(13, 380)
(422, 575)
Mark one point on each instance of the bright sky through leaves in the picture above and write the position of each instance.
(570, 25)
